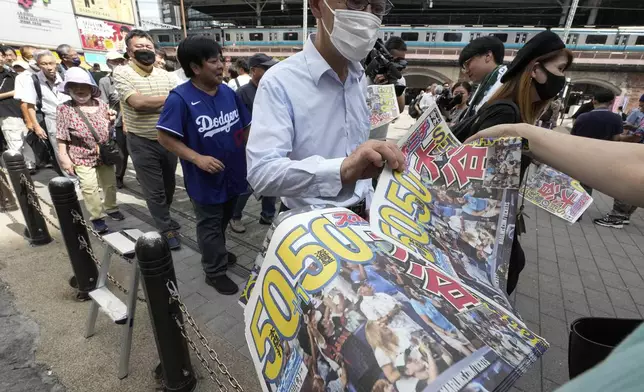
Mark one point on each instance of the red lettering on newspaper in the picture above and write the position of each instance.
(344, 219)
(426, 161)
(549, 190)
(567, 200)
(465, 163)
(441, 284)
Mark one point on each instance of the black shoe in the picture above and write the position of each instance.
(175, 225)
(232, 259)
(265, 221)
(610, 221)
(116, 215)
(119, 183)
(100, 226)
(223, 284)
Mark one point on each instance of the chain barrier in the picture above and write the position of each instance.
(84, 245)
(223, 369)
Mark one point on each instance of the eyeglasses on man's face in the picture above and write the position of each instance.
(378, 7)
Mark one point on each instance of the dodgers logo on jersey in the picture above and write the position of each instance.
(214, 125)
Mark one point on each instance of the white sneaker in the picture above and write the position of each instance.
(237, 226)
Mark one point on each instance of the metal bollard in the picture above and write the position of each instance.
(157, 269)
(7, 201)
(63, 195)
(37, 230)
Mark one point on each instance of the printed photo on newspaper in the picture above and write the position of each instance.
(557, 193)
(413, 300)
(382, 103)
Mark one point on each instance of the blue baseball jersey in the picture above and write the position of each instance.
(214, 126)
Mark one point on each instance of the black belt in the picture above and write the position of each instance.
(359, 208)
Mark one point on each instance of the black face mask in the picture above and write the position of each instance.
(145, 57)
(553, 85)
(76, 62)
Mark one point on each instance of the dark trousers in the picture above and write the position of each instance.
(268, 205)
(212, 220)
(622, 210)
(121, 140)
(155, 169)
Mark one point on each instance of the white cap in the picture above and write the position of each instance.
(114, 55)
(20, 63)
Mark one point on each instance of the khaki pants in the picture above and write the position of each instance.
(90, 178)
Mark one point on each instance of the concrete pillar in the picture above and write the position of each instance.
(258, 10)
(593, 11)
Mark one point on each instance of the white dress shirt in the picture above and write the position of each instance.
(305, 123)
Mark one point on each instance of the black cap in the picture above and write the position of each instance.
(541, 44)
(261, 60)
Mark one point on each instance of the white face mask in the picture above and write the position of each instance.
(354, 32)
(81, 100)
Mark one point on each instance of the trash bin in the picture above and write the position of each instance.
(593, 338)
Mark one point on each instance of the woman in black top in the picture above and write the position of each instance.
(535, 77)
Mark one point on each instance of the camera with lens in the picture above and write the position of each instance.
(380, 62)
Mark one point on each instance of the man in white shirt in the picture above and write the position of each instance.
(44, 97)
(308, 141)
(241, 66)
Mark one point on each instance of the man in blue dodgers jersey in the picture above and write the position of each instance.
(206, 125)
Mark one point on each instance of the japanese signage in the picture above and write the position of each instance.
(413, 300)
(115, 10)
(382, 104)
(100, 35)
(557, 193)
(42, 23)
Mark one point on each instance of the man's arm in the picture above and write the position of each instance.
(270, 171)
(138, 101)
(8, 94)
(24, 109)
(177, 147)
(34, 121)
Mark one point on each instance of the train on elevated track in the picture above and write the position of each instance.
(620, 39)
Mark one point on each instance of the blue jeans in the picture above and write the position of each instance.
(268, 205)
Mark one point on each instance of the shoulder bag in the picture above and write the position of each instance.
(109, 151)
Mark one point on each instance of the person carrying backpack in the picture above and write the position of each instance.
(534, 78)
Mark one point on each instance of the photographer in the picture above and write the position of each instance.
(458, 104)
(398, 50)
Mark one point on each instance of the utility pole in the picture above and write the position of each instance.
(183, 20)
(305, 21)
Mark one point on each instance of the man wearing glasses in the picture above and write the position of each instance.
(308, 142)
(482, 62)
(143, 90)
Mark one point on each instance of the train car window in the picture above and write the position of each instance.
(227, 36)
(433, 37)
(409, 36)
(290, 36)
(256, 36)
(596, 39)
(217, 37)
(639, 40)
(452, 37)
(164, 38)
(427, 36)
(502, 36)
(524, 37)
(517, 38)
(572, 39)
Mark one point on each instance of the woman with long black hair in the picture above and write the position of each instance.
(534, 78)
